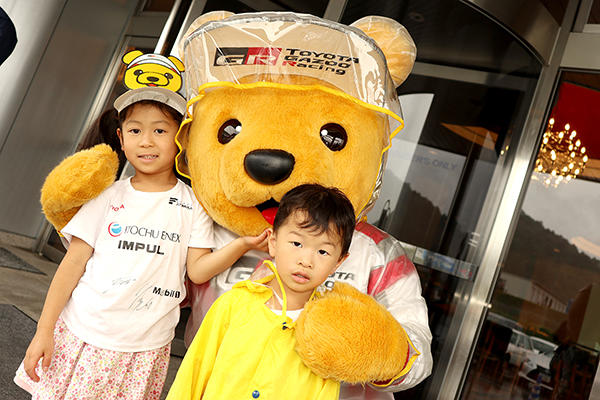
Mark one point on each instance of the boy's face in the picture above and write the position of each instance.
(304, 258)
(148, 139)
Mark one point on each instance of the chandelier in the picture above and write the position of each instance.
(562, 156)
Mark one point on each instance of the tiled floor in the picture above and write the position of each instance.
(27, 291)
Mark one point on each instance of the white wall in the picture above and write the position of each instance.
(49, 84)
(34, 22)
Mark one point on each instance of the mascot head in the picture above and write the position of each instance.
(276, 100)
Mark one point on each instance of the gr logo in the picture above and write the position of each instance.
(114, 229)
(246, 56)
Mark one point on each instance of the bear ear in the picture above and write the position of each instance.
(395, 42)
(132, 55)
(204, 18)
(177, 63)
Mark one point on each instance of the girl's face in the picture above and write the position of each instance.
(148, 140)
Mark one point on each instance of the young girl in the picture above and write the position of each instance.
(112, 307)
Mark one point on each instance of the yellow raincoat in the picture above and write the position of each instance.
(243, 350)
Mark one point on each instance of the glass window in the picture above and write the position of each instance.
(543, 346)
(463, 105)
(450, 33)
(550, 280)
(514, 339)
(439, 180)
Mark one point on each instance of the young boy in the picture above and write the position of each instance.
(245, 346)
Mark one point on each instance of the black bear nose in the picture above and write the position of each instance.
(152, 78)
(269, 166)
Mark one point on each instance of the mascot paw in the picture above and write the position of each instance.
(76, 180)
(347, 336)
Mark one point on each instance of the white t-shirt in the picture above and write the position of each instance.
(128, 298)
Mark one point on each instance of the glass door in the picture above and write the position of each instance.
(465, 105)
(541, 336)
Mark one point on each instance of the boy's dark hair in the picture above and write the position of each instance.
(323, 208)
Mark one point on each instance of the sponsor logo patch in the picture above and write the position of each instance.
(295, 58)
(339, 276)
(117, 208)
(114, 229)
(175, 201)
(138, 246)
(246, 56)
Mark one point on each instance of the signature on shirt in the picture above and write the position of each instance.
(142, 299)
(119, 282)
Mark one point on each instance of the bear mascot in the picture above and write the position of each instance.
(276, 100)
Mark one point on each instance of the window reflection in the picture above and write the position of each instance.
(541, 338)
(441, 164)
(437, 179)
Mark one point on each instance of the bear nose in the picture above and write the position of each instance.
(152, 78)
(269, 166)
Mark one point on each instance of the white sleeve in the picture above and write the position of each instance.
(87, 223)
(202, 235)
(398, 288)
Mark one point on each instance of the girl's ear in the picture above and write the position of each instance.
(120, 135)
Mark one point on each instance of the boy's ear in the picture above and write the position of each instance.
(271, 242)
(340, 261)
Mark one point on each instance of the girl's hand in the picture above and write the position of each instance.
(42, 346)
(257, 242)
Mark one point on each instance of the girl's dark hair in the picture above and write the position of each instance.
(104, 130)
(325, 208)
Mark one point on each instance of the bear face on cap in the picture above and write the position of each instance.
(152, 70)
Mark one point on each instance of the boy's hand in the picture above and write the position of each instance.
(42, 346)
(257, 242)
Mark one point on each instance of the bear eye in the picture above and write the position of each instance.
(137, 72)
(334, 136)
(168, 75)
(229, 130)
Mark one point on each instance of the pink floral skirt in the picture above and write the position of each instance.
(81, 371)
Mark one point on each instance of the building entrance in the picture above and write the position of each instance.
(541, 336)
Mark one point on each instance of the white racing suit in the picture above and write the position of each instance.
(377, 265)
